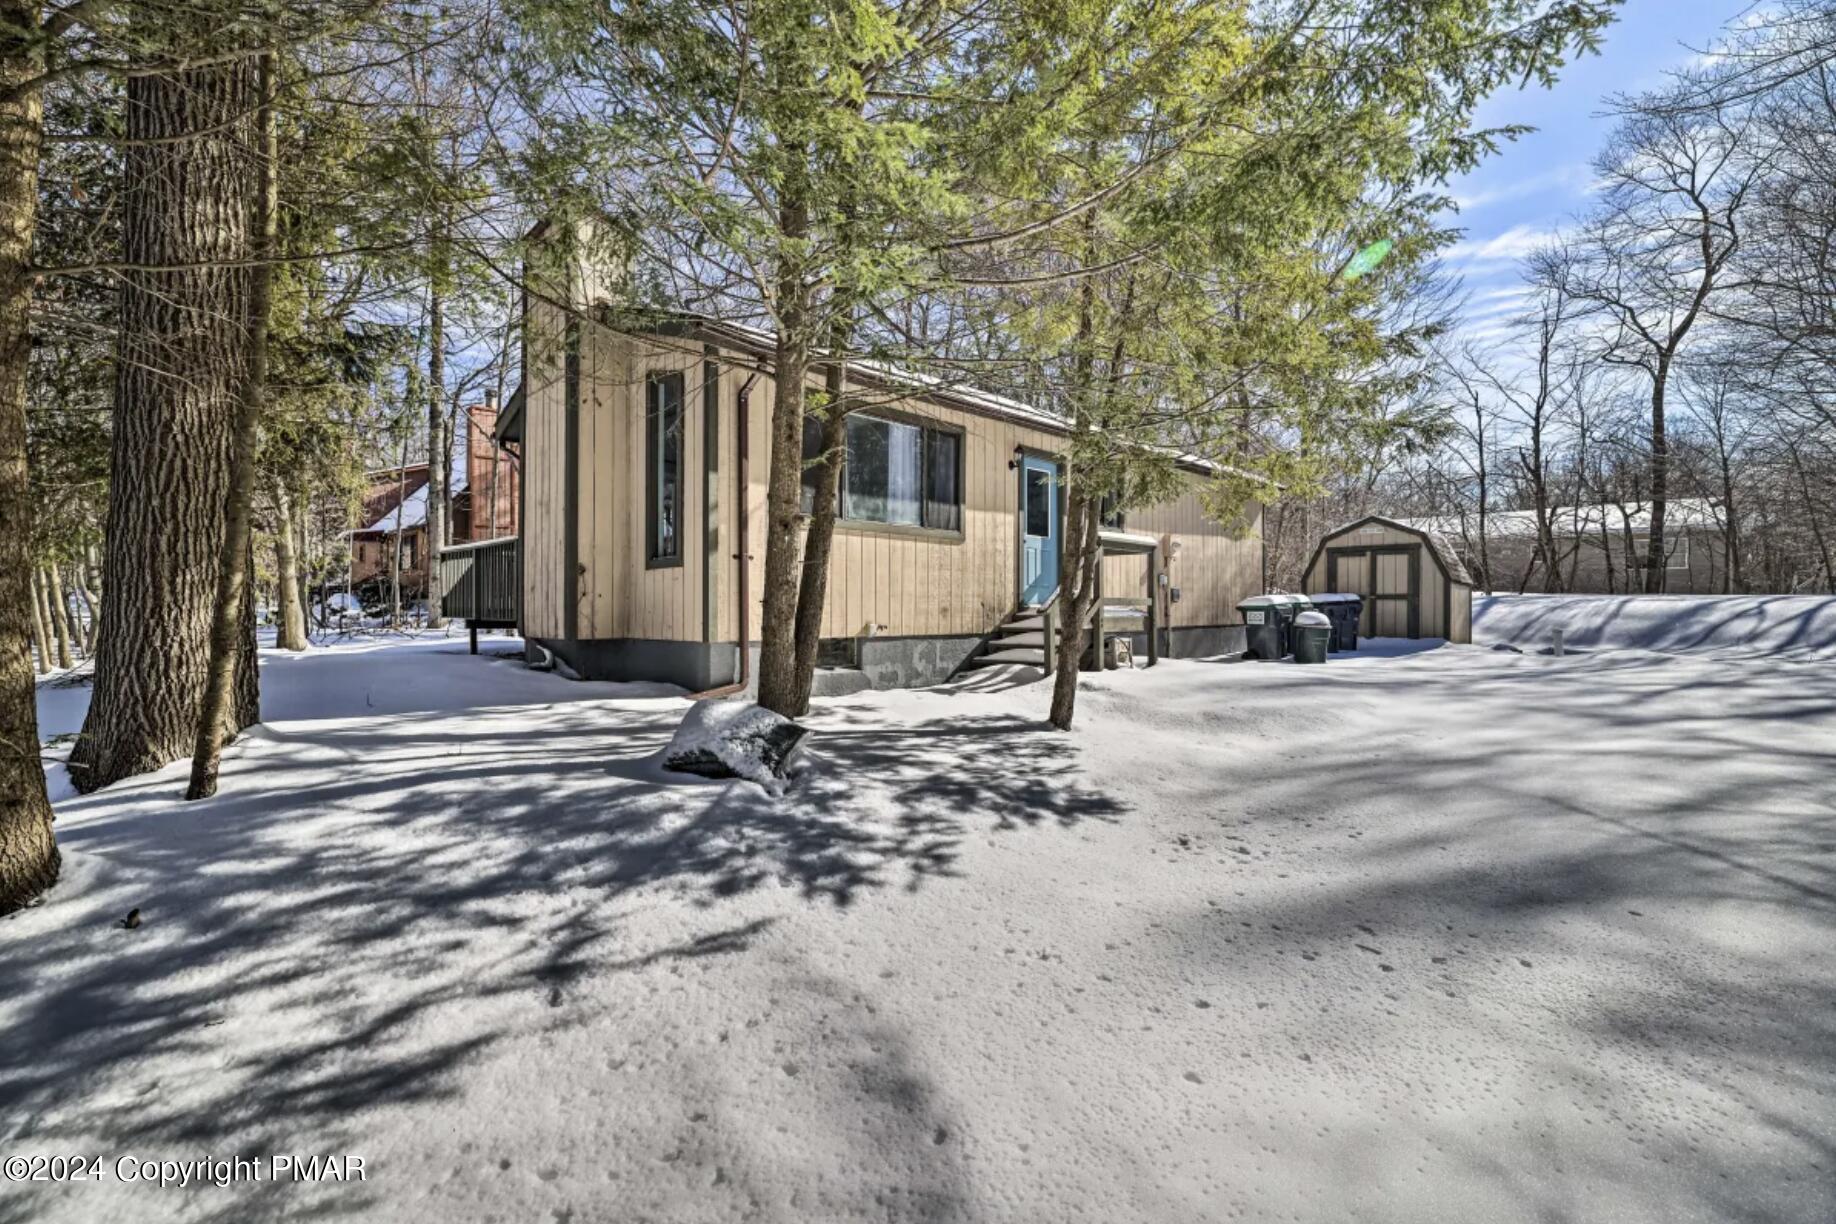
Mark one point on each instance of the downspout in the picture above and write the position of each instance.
(742, 481)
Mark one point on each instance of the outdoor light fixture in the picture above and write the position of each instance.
(1019, 453)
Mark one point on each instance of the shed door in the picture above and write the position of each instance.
(1348, 571)
(1392, 599)
(1389, 578)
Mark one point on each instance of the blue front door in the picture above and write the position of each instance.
(1038, 529)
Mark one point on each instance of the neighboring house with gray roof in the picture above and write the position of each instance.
(1596, 549)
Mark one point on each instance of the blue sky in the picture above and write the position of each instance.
(1534, 186)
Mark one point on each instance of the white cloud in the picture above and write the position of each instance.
(1569, 177)
(1512, 245)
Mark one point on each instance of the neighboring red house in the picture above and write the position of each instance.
(481, 500)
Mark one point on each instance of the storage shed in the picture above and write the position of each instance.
(1413, 583)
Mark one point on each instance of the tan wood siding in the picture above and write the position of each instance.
(889, 580)
(904, 581)
(621, 594)
(544, 435)
(1215, 567)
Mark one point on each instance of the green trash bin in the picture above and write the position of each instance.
(1312, 632)
(1343, 610)
(1266, 623)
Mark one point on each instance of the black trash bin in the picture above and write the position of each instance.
(1312, 633)
(1343, 610)
(1268, 621)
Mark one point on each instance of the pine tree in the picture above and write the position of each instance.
(184, 302)
(28, 850)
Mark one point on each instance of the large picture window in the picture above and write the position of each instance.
(663, 468)
(883, 480)
(898, 472)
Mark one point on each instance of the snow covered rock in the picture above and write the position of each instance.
(736, 739)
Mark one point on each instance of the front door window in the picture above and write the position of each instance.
(1038, 502)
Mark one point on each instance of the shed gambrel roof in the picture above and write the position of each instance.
(1438, 547)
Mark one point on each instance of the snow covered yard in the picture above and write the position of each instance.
(1435, 934)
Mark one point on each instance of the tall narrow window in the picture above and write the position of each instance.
(663, 452)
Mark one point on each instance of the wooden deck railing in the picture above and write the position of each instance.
(483, 582)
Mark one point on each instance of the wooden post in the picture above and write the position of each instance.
(472, 628)
(1153, 625)
(1153, 612)
(1099, 616)
(1049, 620)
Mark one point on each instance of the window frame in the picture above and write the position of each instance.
(927, 427)
(653, 481)
(1109, 518)
(1676, 551)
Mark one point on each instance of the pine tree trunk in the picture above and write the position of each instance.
(437, 458)
(302, 535)
(1083, 517)
(41, 625)
(60, 616)
(1075, 586)
(79, 578)
(28, 851)
(395, 541)
(778, 687)
(1656, 552)
(180, 362)
(292, 634)
(819, 537)
(235, 593)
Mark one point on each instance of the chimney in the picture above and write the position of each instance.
(487, 468)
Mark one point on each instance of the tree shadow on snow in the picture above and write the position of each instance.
(1591, 861)
(358, 960)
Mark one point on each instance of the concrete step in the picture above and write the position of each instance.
(1025, 658)
(838, 682)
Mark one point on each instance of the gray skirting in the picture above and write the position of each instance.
(1193, 641)
(693, 665)
(883, 662)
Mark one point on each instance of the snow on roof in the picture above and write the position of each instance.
(1680, 514)
(410, 512)
(414, 507)
(1116, 538)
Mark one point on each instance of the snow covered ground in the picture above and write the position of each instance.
(1801, 627)
(1421, 935)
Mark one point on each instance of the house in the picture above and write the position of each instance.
(1598, 549)
(482, 499)
(645, 455)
